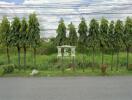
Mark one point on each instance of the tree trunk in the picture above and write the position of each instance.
(18, 48)
(117, 65)
(83, 64)
(62, 64)
(8, 56)
(112, 54)
(127, 58)
(73, 62)
(93, 59)
(24, 55)
(102, 57)
(34, 56)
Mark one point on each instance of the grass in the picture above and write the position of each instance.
(48, 67)
(58, 73)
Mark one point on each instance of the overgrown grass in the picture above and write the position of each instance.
(58, 73)
(49, 66)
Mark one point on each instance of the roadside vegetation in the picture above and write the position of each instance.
(102, 48)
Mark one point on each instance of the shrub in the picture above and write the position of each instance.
(8, 69)
(46, 48)
(1, 63)
(103, 68)
(44, 66)
(87, 64)
(130, 67)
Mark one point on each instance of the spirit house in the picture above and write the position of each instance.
(66, 51)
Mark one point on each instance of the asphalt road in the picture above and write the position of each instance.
(70, 88)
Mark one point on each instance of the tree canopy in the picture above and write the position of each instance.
(103, 35)
(82, 30)
(72, 35)
(93, 37)
(34, 30)
(61, 33)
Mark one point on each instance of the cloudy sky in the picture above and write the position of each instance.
(50, 11)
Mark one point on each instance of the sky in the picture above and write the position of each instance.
(49, 12)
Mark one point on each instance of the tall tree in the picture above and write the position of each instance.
(16, 36)
(103, 36)
(34, 33)
(25, 35)
(72, 35)
(119, 28)
(82, 30)
(127, 37)
(61, 36)
(111, 42)
(93, 37)
(5, 35)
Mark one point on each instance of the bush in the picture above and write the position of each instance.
(44, 66)
(1, 63)
(130, 67)
(47, 48)
(103, 68)
(8, 69)
(87, 64)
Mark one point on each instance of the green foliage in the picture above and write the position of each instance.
(82, 30)
(111, 42)
(72, 35)
(127, 37)
(16, 36)
(127, 34)
(61, 34)
(15, 32)
(5, 31)
(24, 33)
(47, 48)
(33, 31)
(93, 37)
(8, 69)
(5, 35)
(103, 36)
(25, 36)
(119, 29)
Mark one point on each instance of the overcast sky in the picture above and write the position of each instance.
(50, 11)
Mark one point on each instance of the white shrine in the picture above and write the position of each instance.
(66, 51)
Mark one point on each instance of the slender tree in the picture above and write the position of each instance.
(16, 36)
(103, 36)
(34, 33)
(127, 37)
(111, 42)
(82, 30)
(72, 35)
(25, 36)
(61, 36)
(5, 35)
(93, 37)
(119, 28)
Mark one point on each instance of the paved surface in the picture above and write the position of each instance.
(78, 88)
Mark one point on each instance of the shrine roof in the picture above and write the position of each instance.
(66, 46)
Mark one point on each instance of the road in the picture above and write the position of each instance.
(67, 88)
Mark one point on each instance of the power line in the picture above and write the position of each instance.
(64, 6)
(60, 14)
